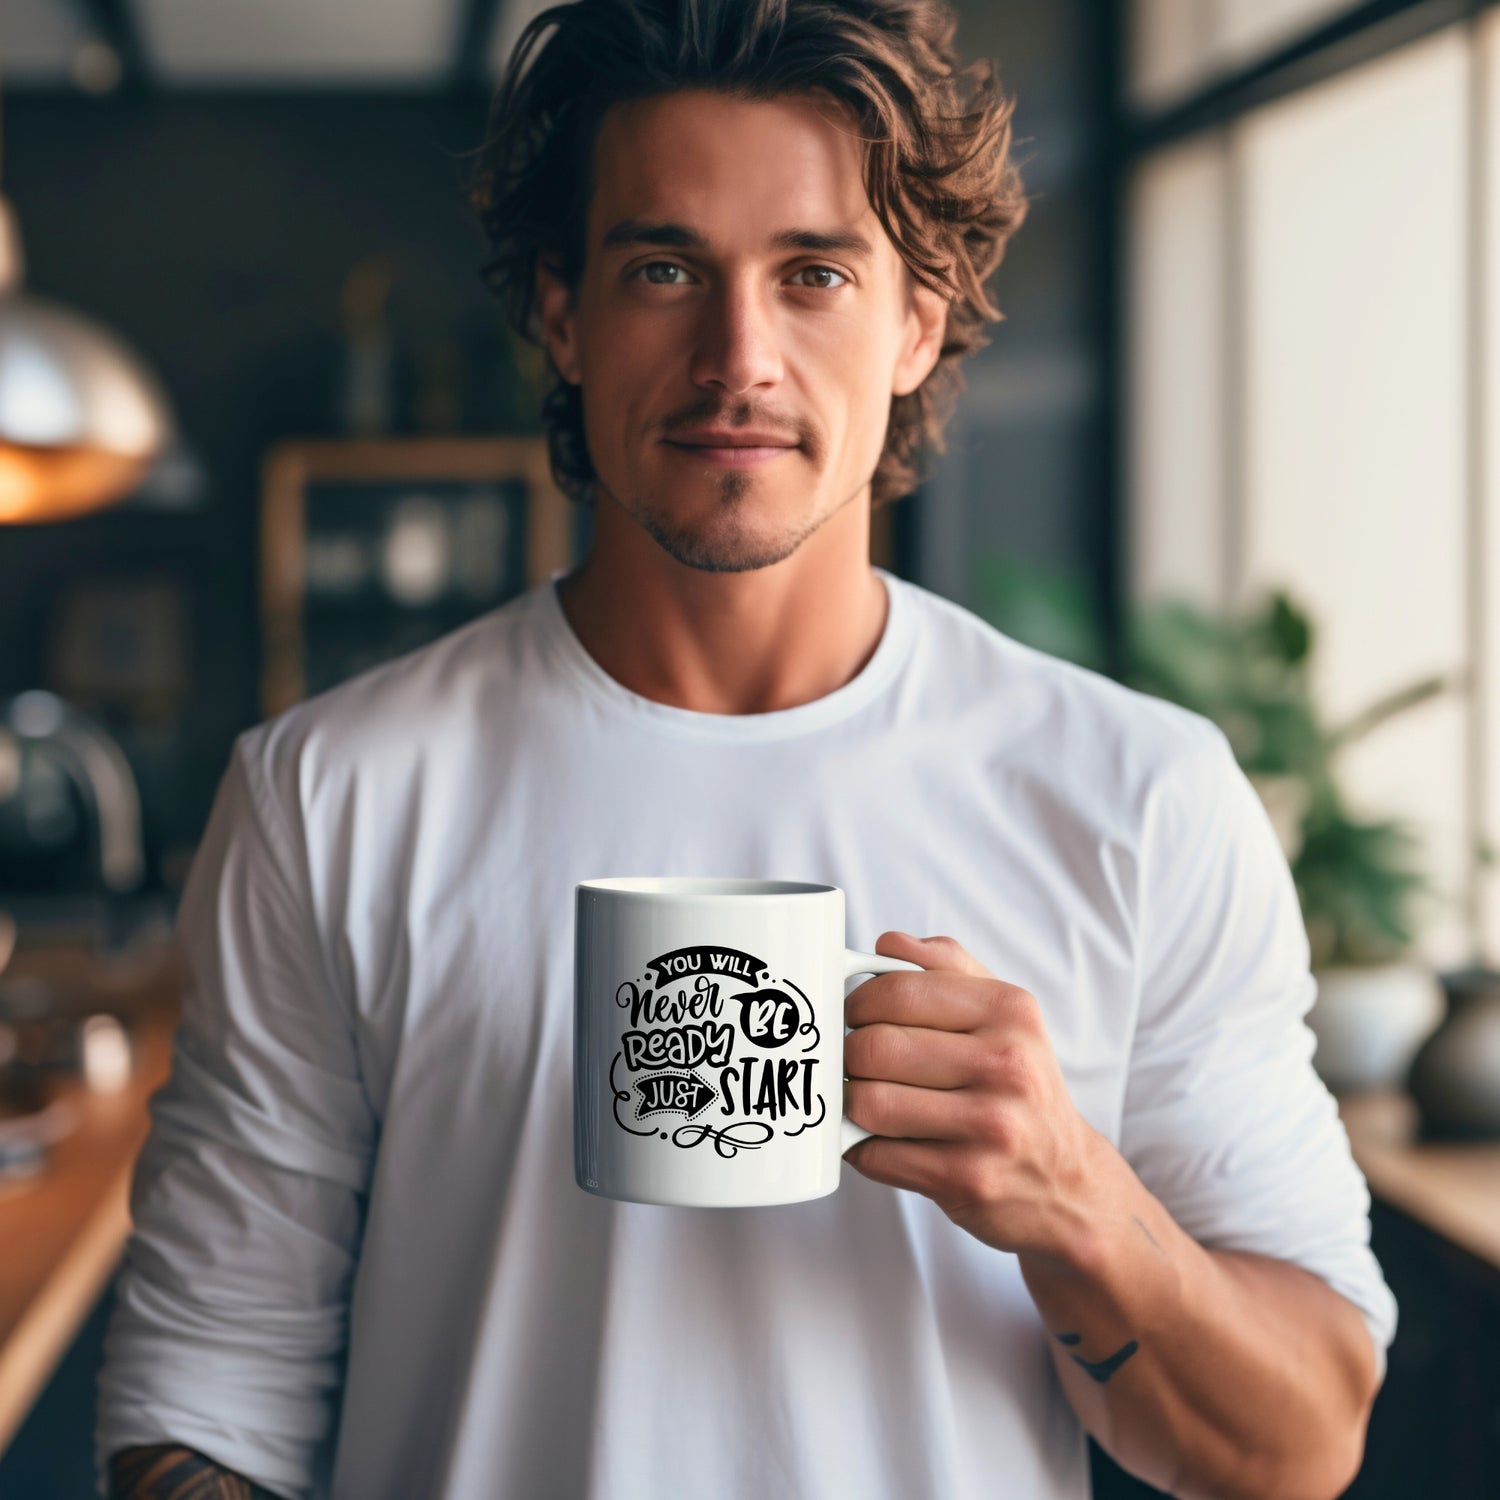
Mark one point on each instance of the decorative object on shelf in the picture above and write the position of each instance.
(1369, 1021)
(30, 1123)
(73, 1020)
(438, 400)
(417, 551)
(82, 418)
(373, 547)
(68, 798)
(367, 398)
(1455, 1077)
(50, 1046)
(1358, 882)
(121, 645)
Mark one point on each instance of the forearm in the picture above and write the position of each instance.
(164, 1470)
(1207, 1373)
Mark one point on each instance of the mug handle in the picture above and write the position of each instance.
(856, 962)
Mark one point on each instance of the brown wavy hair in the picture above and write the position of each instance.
(939, 170)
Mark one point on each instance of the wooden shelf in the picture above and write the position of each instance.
(63, 1231)
(1452, 1189)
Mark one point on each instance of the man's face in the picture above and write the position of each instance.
(741, 324)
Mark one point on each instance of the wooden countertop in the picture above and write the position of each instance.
(63, 1230)
(1453, 1189)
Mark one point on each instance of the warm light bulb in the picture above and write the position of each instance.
(54, 484)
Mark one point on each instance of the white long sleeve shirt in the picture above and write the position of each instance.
(361, 1267)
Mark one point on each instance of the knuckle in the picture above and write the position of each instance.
(866, 1048)
(903, 989)
(1022, 1006)
(987, 1181)
(959, 958)
(885, 1106)
(856, 1052)
(867, 1102)
(1008, 1068)
(1010, 1005)
(887, 1043)
(854, 1101)
(976, 1178)
(995, 1124)
(950, 1189)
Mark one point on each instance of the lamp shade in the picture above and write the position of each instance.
(81, 417)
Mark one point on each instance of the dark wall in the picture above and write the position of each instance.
(214, 234)
(1029, 476)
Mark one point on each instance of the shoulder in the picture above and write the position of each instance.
(1064, 725)
(395, 721)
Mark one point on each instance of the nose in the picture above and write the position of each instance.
(738, 347)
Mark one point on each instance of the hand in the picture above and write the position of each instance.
(953, 1072)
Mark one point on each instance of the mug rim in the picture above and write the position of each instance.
(701, 887)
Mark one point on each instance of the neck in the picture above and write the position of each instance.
(728, 643)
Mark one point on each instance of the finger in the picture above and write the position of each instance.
(921, 1167)
(938, 1170)
(943, 1001)
(917, 1055)
(939, 952)
(905, 1112)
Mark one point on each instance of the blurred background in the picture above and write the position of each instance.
(261, 426)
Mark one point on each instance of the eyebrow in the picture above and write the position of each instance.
(680, 237)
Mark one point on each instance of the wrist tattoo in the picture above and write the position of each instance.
(170, 1472)
(1141, 1225)
(1101, 1371)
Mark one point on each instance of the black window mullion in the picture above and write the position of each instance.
(1366, 32)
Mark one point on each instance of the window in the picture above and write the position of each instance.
(1306, 359)
(1177, 371)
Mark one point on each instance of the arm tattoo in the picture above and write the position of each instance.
(1140, 1224)
(1106, 1367)
(167, 1472)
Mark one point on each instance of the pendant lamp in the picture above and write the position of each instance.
(81, 417)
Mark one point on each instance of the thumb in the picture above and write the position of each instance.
(938, 952)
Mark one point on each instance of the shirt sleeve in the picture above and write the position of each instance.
(229, 1328)
(1225, 1120)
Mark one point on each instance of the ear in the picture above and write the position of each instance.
(922, 338)
(557, 315)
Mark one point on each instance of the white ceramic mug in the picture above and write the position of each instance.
(708, 1059)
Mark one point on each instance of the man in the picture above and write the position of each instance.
(1105, 1189)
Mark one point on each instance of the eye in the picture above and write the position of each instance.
(659, 265)
(824, 286)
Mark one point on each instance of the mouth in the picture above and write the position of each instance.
(735, 456)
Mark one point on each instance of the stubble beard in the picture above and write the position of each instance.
(725, 545)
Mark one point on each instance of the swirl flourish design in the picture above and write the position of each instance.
(808, 1124)
(726, 1142)
(622, 1096)
(808, 1025)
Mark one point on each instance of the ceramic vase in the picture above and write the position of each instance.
(1370, 1020)
(1455, 1077)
